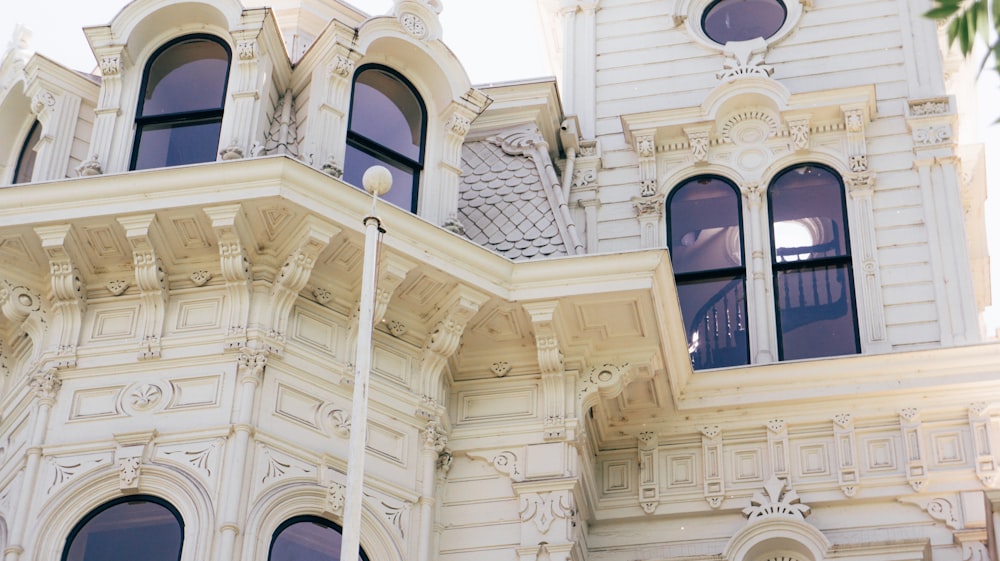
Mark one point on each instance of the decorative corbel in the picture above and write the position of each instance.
(459, 307)
(25, 309)
(132, 452)
(849, 474)
(392, 272)
(699, 142)
(799, 129)
(231, 232)
(645, 148)
(983, 436)
(777, 444)
(913, 444)
(143, 235)
(550, 364)
(649, 472)
(855, 120)
(313, 236)
(68, 292)
(712, 456)
(607, 381)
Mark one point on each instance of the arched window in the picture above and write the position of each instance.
(179, 117)
(811, 260)
(128, 528)
(386, 128)
(26, 158)
(307, 538)
(704, 229)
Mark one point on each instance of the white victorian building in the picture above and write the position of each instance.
(713, 293)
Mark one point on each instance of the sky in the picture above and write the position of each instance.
(490, 54)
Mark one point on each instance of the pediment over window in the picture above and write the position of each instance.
(754, 125)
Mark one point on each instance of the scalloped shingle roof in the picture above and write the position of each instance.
(503, 204)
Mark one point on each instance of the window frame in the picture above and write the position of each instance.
(298, 519)
(714, 3)
(845, 261)
(181, 118)
(96, 511)
(718, 274)
(378, 151)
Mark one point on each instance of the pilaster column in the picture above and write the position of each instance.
(758, 281)
(328, 129)
(434, 443)
(871, 310)
(251, 68)
(104, 153)
(44, 386)
(649, 211)
(250, 374)
(57, 111)
(932, 125)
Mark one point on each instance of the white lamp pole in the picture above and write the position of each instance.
(377, 181)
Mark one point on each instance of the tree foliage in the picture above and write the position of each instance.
(969, 21)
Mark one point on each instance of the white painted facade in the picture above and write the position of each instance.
(188, 333)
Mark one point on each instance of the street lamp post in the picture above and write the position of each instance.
(377, 181)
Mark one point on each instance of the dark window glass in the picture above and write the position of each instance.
(706, 250)
(26, 159)
(127, 529)
(742, 20)
(180, 113)
(386, 128)
(813, 282)
(307, 538)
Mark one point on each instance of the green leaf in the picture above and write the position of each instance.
(942, 12)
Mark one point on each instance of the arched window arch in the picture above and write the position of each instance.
(25, 168)
(179, 116)
(811, 262)
(705, 236)
(387, 126)
(307, 538)
(127, 528)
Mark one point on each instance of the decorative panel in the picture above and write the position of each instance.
(201, 314)
(315, 331)
(114, 324)
(489, 405)
(197, 392)
(297, 406)
(391, 363)
(617, 476)
(880, 454)
(95, 403)
(948, 449)
(681, 471)
(814, 460)
(747, 465)
(387, 443)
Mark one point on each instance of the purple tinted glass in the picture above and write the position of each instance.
(187, 76)
(402, 193)
(742, 20)
(26, 160)
(169, 144)
(715, 320)
(127, 531)
(307, 541)
(705, 226)
(807, 215)
(386, 111)
(816, 312)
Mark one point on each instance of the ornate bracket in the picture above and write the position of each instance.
(550, 363)
(649, 472)
(849, 474)
(981, 425)
(712, 454)
(459, 307)
(913, 444)
(143, 235)
(68, 292)
(228, 222)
